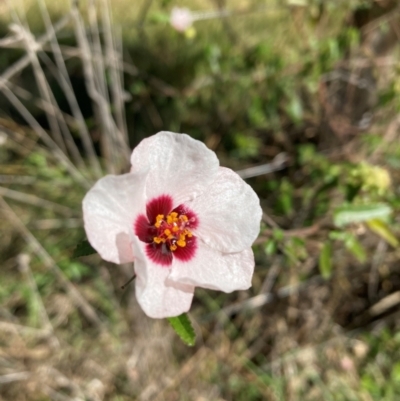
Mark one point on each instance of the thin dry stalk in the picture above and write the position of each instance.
(57, 152)
(112, 55)
(17, 179)
(23, 262)
(62, 117)
(373, 282)
(35, 201)
(44, 90)
(97, 50)
(76, 297)
(58, 126)
(93, 86)
(262, 299)
(14, 328)
(53, 224)
(25, 60)
(14, 377)
(384, 304)
(61, 73)
(272, 275)
(94, 43)
(279, 163)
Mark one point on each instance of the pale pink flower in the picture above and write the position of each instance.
(185, 221)
(181, 19)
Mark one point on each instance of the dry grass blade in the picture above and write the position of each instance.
(49, 263)
(23, 262)
(115, 152)
(61, 157)
(113, 57)
(14, 328)
(384, 304)
(25, 60)
(17, 179)
(51, 224)
(62, 75)
(35, 201)
(96, 75)
(279, 163)
(13, 377)
(262, 299)
(55, 119)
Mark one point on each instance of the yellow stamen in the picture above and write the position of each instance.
(173, 247)
(172, 218)
(158, 240)
(175, 229)
(167, 232)
(181, 243)
(159, 220)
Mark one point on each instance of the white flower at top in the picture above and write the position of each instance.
(182, 219)
(181, 19)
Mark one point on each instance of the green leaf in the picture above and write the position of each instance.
(83, 249)
(325, 260)
(159, 17)
(182, 326)
(356, 248)
(380, 228)
(360, 213)
(270, 247)
(295, 109)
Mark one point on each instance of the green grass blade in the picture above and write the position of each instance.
(325, 260)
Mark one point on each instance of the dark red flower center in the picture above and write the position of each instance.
(167, 231)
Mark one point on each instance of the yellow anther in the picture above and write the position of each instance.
(175, 229)
(159, 220)
(173, 247)
(184, 218)
(181, 243)
(172, 218)
(158, 240)
(167, 232)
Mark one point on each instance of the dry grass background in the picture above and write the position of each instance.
(67, 330)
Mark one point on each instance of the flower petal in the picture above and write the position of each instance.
(194, 220)
(230, 213)
(159, 254)
(109, 211)
(215, 270)
(144, 230)
(158, 296)
(161, 205)
(179, 165)
(188, 252)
